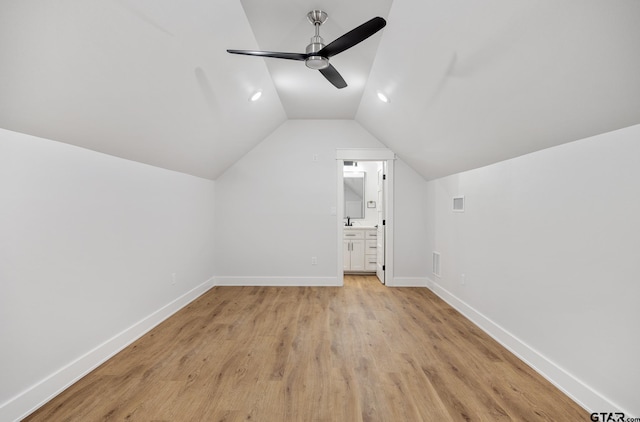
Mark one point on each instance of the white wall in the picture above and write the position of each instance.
(550, 247)
(88, 243)
(273, 207)
(410, 227)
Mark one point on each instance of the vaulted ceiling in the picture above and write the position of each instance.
(470, 83)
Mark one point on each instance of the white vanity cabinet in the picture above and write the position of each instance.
(359, 249)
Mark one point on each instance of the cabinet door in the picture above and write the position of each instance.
(357, 255)
(346, 253)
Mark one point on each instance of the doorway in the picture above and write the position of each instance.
(379, 204)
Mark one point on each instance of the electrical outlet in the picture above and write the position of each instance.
(314, 260)
(463, 279)
(173, 278)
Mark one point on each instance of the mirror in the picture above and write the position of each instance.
(354, 194)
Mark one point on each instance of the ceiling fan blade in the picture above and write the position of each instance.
(353, 37)
(274, 54)
(333, 76)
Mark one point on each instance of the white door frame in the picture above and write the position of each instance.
(380, 227)
(366, 154)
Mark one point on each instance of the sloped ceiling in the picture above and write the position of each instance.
(146, 80)
(473, 83)
(470, 83)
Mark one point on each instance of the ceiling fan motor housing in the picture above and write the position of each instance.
(316, 61)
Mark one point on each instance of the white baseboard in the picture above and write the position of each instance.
(582, 394)
(275, 281)
(408, 282)
(31, 399)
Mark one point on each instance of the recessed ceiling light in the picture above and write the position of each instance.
(256, 96)
(383, 97)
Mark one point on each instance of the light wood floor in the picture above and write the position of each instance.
(363, 352)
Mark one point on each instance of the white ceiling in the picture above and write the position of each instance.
(498, 78)
(470, 83)
(147, 80)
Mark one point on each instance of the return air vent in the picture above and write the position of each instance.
(458, 204)
(436, 264)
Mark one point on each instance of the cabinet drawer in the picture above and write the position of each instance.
(370, 247)
(372, 234)
(370, 263)
(353, 234)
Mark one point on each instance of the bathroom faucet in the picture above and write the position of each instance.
(348, 221)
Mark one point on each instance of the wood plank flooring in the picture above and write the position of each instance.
(363, 352)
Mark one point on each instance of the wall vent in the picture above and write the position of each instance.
(436, 264)
(458, 204)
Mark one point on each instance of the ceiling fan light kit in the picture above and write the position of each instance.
(317, 54)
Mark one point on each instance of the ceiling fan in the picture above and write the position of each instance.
(317, 53)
